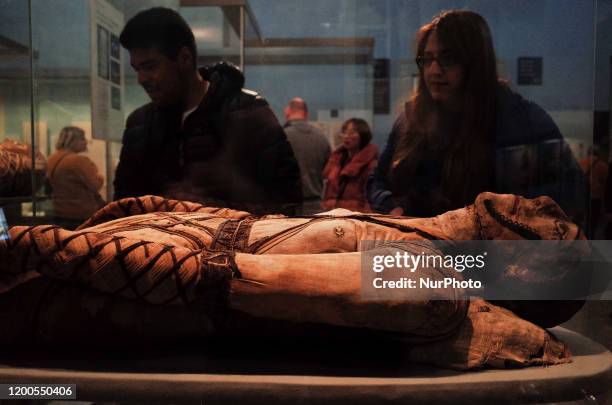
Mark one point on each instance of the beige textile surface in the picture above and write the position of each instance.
(151, 253)
(496, 337)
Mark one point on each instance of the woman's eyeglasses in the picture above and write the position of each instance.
(347, 133)
(444, 60)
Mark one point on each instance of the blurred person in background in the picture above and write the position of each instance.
(595, 169)
(312, 151)
(74, 179)
(349, 167)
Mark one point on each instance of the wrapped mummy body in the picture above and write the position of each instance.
(16, 169)
(272, 267)
(157, 252)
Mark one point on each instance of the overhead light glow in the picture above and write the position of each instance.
(206, 33)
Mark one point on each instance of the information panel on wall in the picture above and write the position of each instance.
(106, 71)
(529, 71)
(382, 86)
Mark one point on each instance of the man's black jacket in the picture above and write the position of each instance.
(230, 152)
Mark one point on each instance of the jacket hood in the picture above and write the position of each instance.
(360, 160)
(226, 81)
(225, 73)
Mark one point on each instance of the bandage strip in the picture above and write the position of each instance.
(143, 205)
(137, 270)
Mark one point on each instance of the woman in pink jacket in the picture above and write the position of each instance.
(348, 168)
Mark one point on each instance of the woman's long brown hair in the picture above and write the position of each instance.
(467, 35)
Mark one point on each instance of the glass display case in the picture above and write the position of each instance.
(57, 85)
(66, 83)
(346, 59)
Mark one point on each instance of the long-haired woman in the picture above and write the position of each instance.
(449, 143)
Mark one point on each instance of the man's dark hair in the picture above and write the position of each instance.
(158, 28)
